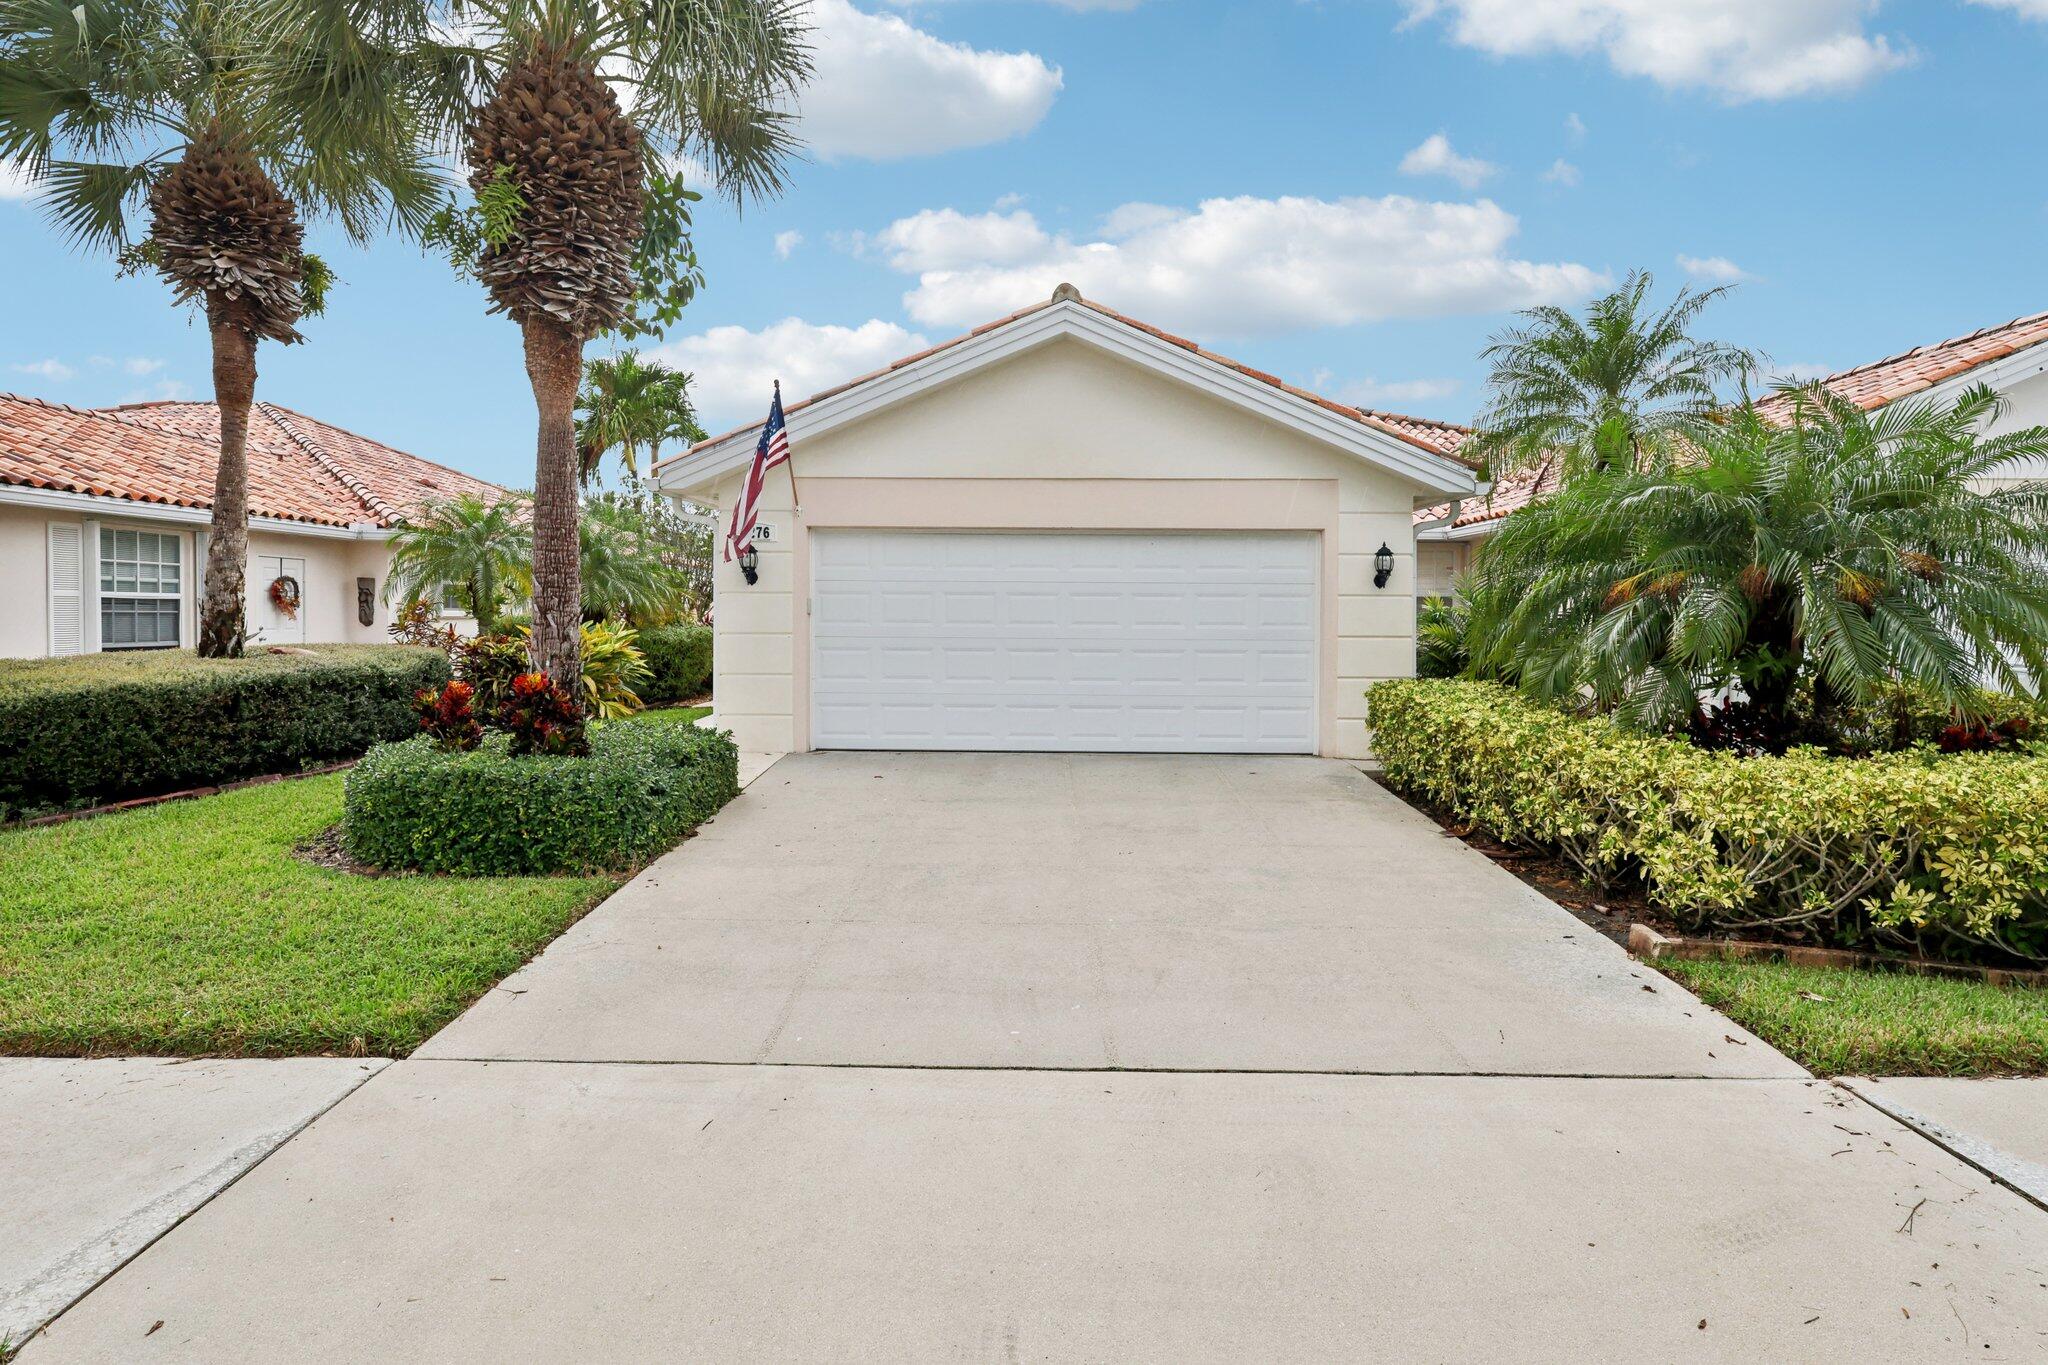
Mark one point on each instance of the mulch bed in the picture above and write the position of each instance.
(325, 850)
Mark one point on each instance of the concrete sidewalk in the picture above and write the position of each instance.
(99, 1157)
(1067, 1057)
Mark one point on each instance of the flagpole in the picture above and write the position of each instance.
(794, 496)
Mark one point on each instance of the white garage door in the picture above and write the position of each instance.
(963, 640)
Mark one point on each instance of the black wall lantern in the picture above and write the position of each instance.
(750, 563)
(1382, 566)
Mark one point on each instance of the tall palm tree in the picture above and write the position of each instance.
(229, 124)
(1830, 548)
(484, 548)
(1604, 391)
(565, 175)
(629, 403)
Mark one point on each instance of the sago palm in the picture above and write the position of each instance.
(1604, 391)
(581, 106)
(629, 404)
(481, 547)
(1830, 548)
(193, 139)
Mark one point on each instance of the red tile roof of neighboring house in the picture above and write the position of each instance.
(1438, 438)
(1910, 372)
(300, 469)
(1511, 493)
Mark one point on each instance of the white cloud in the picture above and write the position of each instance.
(1238, 266)
(163, 391)
(1128, 220)
(1081, 6)
(1436, 156)
(2026, 9)
(1712, 269)
(786, 244)
(733, 370)
(1741, 49)
(1008, 201)
(884, 89)
(51, 369)
(14, 181)
(1563, 173)
(139, 365)
(1575, 128)
(946, 239)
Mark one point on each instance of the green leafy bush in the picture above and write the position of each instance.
(486, 812)
(679, 657)
(1945, 854)
(613, 665)
(104, 727)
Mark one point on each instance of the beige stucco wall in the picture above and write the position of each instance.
(1065, 436)
(329, 585)
(1437, 565)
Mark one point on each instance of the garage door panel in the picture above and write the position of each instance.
(1064, 641)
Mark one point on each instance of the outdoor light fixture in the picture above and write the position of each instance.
(1382, 566)
(750, 563)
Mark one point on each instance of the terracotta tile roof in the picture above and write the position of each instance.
(1884, 381)
(299, 469)
(1509, 494)
(1438, 438)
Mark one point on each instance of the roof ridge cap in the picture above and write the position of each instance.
(382, 445)
(1928, 346)
(359, 490)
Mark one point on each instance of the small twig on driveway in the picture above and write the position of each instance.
(1911, 1214)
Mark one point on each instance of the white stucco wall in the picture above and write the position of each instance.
(1066, 436)
(1437, 565)
(332, 566)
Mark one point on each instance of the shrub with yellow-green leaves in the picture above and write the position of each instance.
(1939, 853)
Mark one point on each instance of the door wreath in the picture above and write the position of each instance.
(284, 595)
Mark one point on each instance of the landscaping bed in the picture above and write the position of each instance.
(97, 728)
(1834, 1021)
(487, 810)
(192, 928)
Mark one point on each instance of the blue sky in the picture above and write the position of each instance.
(1353, 194)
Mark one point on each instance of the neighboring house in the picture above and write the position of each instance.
(2011, 358)
(104, 513)
(1068, 530)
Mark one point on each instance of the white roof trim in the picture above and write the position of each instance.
(63, 500)
(1437, 473)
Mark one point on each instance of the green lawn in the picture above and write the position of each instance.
(670, 715)
(1878, 1023)
(190, 928)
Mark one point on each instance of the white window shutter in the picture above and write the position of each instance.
(67, 588)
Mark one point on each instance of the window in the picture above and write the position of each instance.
(139, 589)
(454, 599)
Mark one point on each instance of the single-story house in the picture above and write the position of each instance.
(104, 513)
(2011, 358)
(1069, 530)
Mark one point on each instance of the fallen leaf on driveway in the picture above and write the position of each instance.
(153, 1326)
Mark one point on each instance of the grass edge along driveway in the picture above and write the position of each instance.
(189, 929)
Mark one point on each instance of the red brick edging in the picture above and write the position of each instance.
(1649, 945)
(61, 816)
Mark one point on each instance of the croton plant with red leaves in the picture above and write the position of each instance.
(445, 714)
(542, 718)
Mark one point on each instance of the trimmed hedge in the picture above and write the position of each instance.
(486, 813)
(103, 727)
(679, 657)
(1943, 853)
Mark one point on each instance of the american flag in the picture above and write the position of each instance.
(772, 451)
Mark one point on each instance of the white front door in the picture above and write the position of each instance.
(268, 623)
(1173, 643)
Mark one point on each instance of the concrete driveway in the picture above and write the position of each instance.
(1063, 1057)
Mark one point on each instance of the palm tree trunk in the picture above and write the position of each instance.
(222, 619)
(554, 366)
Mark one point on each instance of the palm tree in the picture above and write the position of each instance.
(627, 570)
(1605, 391)
(565, 176)
(482, 547)
(231, 124)
(1825, 547)
(628, 403)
